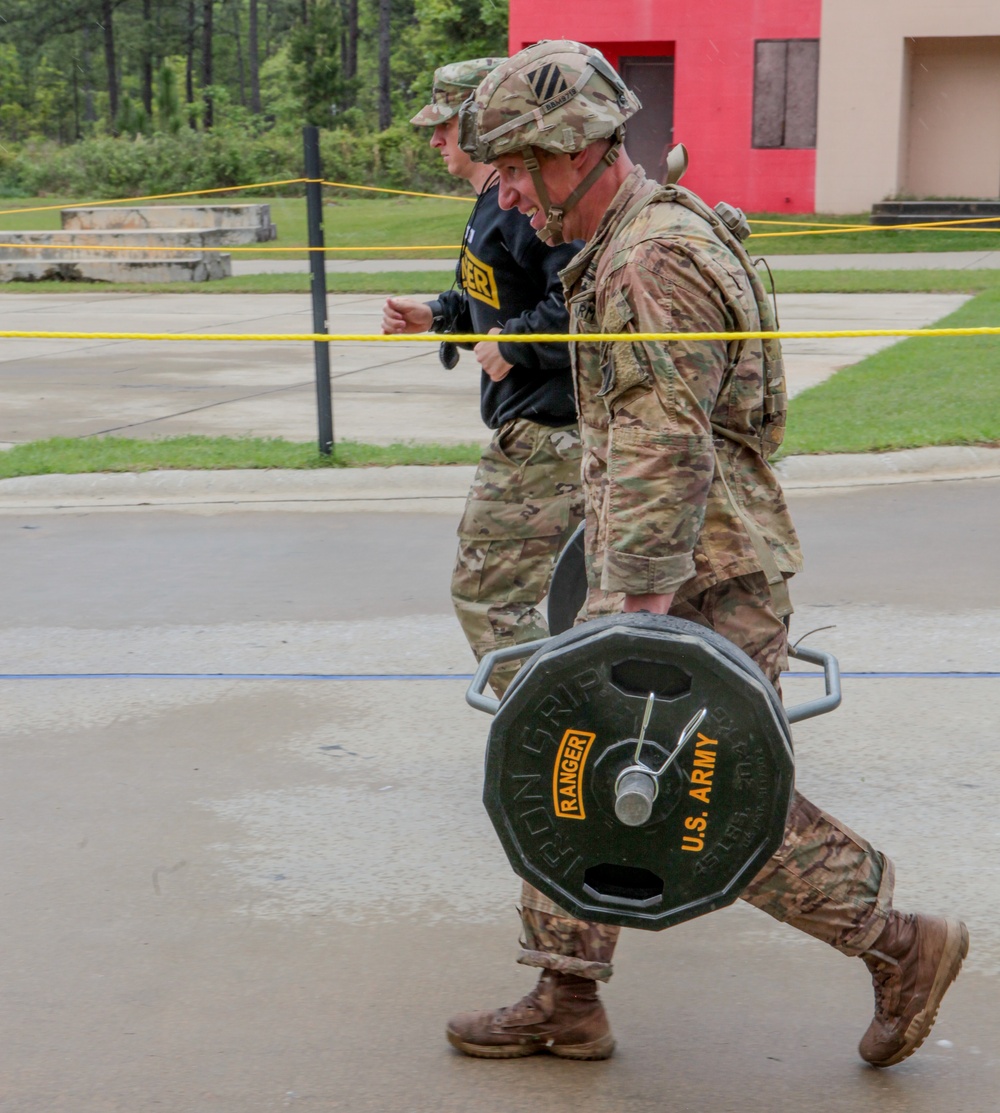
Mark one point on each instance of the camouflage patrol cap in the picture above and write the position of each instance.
(452, 85)
(557, 95)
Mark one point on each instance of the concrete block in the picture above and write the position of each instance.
(252, 220)
(106, 243)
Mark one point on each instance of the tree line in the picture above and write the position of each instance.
(72, 70)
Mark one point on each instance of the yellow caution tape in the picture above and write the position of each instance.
(812, 228)
(194, 248)
(927, 226)
(506, 338)
(804, 223)
(833, 229)
(154, 197)
(402, 192)
(227, 189)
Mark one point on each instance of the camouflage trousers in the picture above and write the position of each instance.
(824, 879)
(524, 504)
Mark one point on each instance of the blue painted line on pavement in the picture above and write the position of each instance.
(466, 677)
(233, 676)
(905, 675)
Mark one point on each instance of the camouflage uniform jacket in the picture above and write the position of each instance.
(659, 518)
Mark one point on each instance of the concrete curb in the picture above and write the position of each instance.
(913, 465)
(419, 489)
(394, 490)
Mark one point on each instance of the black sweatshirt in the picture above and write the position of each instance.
(509, 278)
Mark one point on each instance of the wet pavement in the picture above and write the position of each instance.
(233, 895)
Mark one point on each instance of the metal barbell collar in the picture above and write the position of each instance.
(637, 786)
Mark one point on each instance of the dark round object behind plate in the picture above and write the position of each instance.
(568, 590)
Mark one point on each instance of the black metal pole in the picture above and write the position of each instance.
(317, 271)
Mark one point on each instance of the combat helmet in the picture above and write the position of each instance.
(559, 96)
(452, 85)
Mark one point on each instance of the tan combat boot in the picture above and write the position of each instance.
(912, 963)
(561, 1015)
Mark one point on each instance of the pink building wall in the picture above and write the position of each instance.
(713, 45)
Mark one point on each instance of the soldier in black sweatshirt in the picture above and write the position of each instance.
(509, 282)
(526, 497)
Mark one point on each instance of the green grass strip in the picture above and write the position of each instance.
(884, 282)
(879, 241)
(922, 391)
(68, 456)
(432, 282)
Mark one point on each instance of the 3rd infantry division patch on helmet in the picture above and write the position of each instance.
(452, 85)
(557, 95)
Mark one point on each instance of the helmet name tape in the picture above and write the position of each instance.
(543, 109)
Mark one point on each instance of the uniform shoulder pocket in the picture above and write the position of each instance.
(620, 363)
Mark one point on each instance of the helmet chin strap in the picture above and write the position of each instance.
(552, 229)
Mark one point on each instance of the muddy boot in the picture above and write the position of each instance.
(912, 964)
(561, 1015)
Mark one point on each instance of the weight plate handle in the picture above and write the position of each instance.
(831, 681)
(474, 696)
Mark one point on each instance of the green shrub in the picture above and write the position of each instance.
(398, 158)
(108, 167)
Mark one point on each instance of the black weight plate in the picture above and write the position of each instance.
(561, 737)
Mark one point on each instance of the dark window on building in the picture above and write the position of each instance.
(785, 87)
(650, 133)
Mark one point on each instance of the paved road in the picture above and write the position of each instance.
(382, 393)
(231, 896)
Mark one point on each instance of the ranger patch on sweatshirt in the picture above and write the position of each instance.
(478, 280)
